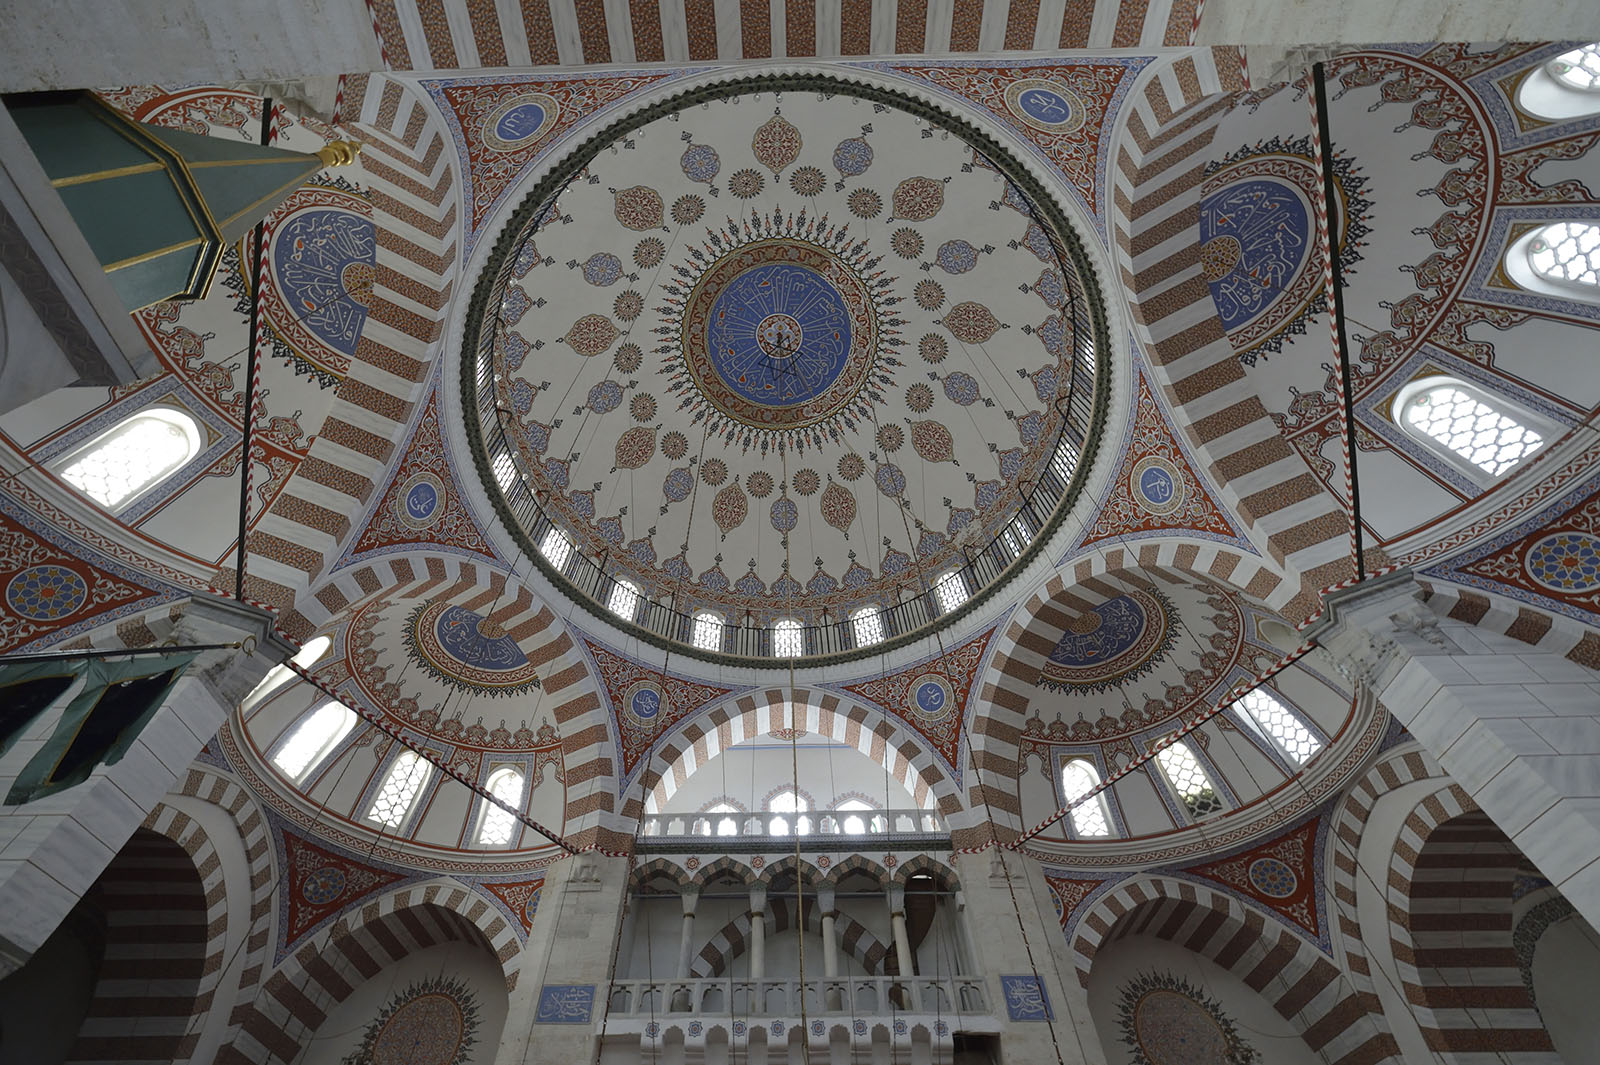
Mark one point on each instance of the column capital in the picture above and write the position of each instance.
(826, 893)
(895, 896)
(758, 898)
(689, 894)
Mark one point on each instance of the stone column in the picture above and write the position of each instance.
(690, 895)
(830, 943)
(1041, 1018)
(758, 933)
(564, 982)
(895, 896)
(1513, 724)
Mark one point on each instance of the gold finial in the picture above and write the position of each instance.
(339, 153)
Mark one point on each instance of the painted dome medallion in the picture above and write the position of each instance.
(783, 353)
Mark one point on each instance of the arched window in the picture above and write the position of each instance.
(788, 638)
(498, 827)
(400, 790)
(1578, 69)
(1465, 423)
(707, 631)
(1567, 253)
(309, 654)
(728, 825)
(624, 601)
(556, 547)
(789, 801)
(130, 459)
(1091, 818)
(1189, 780)
(854, 824)
(1282, 725)
(1065, 461)
(866, 626)
(951, 590)
(318, 733)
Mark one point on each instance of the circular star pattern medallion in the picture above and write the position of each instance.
(1565, 562)
(323, 885)
(1273, 878)
(46, 593)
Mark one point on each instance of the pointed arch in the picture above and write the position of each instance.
(808, 874)
(695, 742)
(295, 1000)
(733, 866)
(1008, 683)
(857, 863)
(733, 939)
(941, 871)
(1288, 971)
(666, 867)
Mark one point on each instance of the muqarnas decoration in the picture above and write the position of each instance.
(435, 1021)
(1168, 1021)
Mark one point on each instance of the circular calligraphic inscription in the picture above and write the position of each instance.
(425, 1031)
(1156, 485)
(420, 501)
(1174, 1029)
(323, 885)
(46, 593)
(644, 702)
(779, 333)
(520, 121)
(931, 696)
(1566, 562)
(1045, 105)
(1273, 878)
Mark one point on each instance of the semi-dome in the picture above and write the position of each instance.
(788, 350)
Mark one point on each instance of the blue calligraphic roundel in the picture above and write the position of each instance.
(1157, 485)
(323, 261)
(1045, 105)
(644, 703)
(779, 334)
(420, 500)
(931, 696)
(520, 121)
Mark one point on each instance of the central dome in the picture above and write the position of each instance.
(784, 354)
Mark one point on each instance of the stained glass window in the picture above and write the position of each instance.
(1090, 818)
(1463, 421)
(1578, 69)
(788, 638)
(399, 791)
(1189, 780)
(133, 456)
(866, 625)
(498, 826)
(707, 632)
(1567, 253)
(317, 734)
(1285, 728)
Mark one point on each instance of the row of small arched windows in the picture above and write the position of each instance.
(1258, 709)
